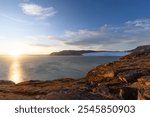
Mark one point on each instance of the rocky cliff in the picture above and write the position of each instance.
(127, 78)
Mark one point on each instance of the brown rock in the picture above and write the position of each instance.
(6, 82)
(127, 78)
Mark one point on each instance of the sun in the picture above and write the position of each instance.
(15, 53)
(16, 50)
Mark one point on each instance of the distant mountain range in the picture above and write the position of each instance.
(71, 52)
(88, 53)
(98, 53)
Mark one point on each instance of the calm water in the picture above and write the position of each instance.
(47, 67)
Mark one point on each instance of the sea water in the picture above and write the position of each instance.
(48, 67)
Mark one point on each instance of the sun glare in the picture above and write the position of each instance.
(15, 53)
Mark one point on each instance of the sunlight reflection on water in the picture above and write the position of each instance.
(25, 68)
(15, 72)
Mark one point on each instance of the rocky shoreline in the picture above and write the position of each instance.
(127, 78)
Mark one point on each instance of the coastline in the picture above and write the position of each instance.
(127, 78)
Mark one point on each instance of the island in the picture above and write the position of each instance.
(125, 79)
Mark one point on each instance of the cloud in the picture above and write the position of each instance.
(56, 38)
(144, 23)
(102, 36)
(14, 19)
(127, 35)
(25, 0)
(37, 10)
(138, 26)
(40, 45)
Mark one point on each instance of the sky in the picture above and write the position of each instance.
(45, 26)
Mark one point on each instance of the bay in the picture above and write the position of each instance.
(48, 67)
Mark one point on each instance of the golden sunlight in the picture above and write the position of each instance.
(15, 49)
(15, 53)
(15, 73)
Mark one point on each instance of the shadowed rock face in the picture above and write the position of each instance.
(127, 78)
